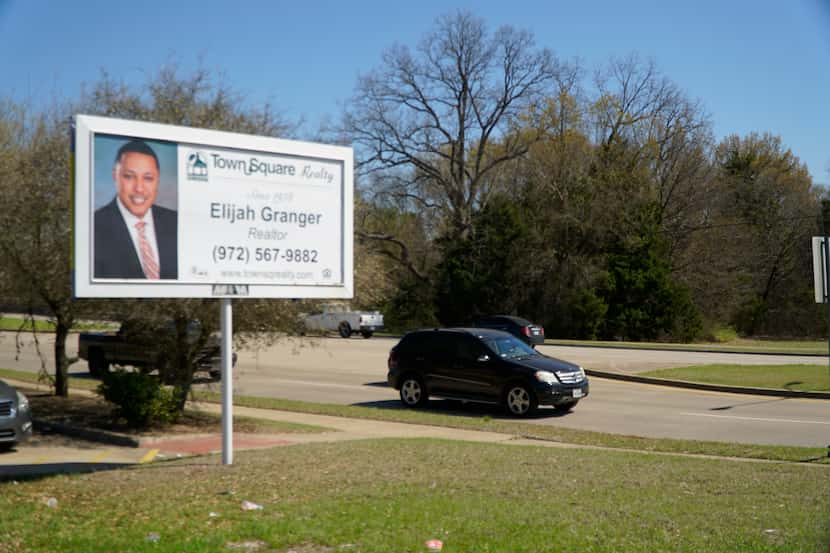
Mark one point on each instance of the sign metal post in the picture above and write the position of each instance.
(826, 268)
(226, 317)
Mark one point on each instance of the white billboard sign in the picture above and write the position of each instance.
(164, 211)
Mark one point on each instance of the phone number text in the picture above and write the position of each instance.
(244, 254)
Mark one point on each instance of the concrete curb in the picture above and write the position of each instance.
(708, 387)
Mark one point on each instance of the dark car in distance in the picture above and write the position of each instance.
(524, 330)
(15, 417)
(482, 365)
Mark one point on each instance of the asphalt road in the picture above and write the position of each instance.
(334, 370)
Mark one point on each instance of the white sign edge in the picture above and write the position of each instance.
(86, 125)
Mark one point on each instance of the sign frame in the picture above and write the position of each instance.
(337, 234)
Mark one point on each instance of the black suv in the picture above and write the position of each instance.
(482, 365)
(524, 330)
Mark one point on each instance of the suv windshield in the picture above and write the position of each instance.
(508, 347)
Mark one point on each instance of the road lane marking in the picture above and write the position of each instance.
(149, 456)
(758, 419)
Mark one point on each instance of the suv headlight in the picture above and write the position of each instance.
(22, 403)
(582, 373)
(546, 376)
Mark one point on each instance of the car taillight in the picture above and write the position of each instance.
(392, 363)
(526, 330)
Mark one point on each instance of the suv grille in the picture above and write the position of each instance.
(5, 408)
(570, 377)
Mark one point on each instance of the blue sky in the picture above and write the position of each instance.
(756, 65)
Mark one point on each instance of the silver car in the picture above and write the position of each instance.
(15, 417)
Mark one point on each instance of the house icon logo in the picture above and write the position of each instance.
(197, 168)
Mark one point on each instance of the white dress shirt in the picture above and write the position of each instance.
(149, 230)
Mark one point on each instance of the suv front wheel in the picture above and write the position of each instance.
(413, 393)
(520, 400)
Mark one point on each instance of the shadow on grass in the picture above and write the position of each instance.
(728, 407)
(45, 470)
(459, 408)
(816, 459)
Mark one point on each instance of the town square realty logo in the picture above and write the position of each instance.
(197, 168)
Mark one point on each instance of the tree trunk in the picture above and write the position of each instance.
(61, 361)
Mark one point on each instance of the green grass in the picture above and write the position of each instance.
(15, 324)
(35, 378)
(723, 334)
(41, 325)
(789, 377)
(538, 432)
(212, 422)
(382, 496)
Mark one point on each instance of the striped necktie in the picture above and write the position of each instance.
(148, 260)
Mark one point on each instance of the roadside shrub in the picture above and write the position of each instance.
(139, 398)
(588, 315)
(644, 301)
(721, 334)
(412, 307)
(751, 315)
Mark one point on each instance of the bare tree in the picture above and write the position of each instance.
(433, 124)
(766, 195)
(34, 216)
(655, 141)
(200, 99)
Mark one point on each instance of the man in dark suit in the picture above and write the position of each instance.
(133, 237)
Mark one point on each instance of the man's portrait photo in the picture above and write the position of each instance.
(136, 223)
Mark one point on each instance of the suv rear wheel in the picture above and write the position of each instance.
(413, 392)
(98, 364)
(520, 401)
(345, 329)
